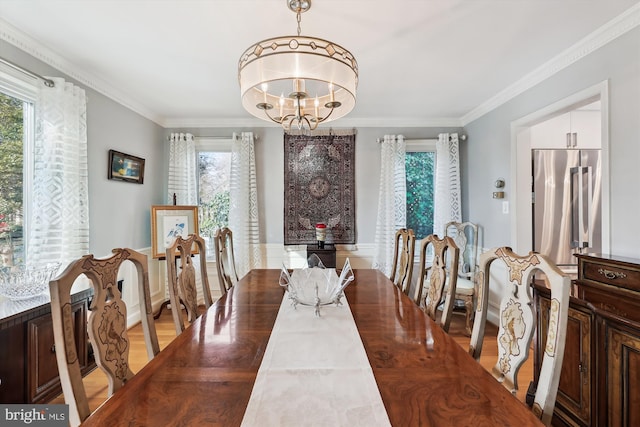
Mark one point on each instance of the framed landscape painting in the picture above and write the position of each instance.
(125, 167)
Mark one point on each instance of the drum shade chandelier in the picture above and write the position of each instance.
(298, 81)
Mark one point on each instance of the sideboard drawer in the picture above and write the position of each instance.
(612, 275)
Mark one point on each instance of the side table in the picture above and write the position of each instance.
(327, 254)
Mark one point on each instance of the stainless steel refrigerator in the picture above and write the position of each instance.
(566, 203)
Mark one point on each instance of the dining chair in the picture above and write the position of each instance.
(225, 259)
(465, 234)
(439, 280)
(181, 275)
(517, 321)
(402, 267)
(107, 325)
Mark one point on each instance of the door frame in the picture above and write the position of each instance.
(522, 217)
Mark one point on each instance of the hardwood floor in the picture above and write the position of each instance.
(96, 382)
(489, 355)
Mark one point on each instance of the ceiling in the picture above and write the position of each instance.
(421, 62)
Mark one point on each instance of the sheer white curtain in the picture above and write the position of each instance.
(447, 182)
(392, 200)
(182, 170)
(183, 183)
(243, 209)
(58, 224)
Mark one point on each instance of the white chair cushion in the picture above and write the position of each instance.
(464, 286)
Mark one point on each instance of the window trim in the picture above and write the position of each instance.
(223, 144)
(207, 145)
(420, 145)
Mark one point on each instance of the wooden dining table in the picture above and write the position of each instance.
(205, 376)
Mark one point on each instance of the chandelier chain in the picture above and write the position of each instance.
(298, 18)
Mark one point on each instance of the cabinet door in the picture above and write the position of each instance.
(576, 129)
(573, 403)
(42, 369)
(623, 377)
(587, 128)
(551, 133)
(12, 361)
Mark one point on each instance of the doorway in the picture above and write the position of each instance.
(523, 132)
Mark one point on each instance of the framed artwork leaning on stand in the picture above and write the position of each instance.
(168, 222)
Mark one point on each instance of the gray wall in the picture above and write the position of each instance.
(489, 144)
(270, 174)
(119, 212)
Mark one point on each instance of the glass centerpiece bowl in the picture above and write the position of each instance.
(26, 281)
(316, 285)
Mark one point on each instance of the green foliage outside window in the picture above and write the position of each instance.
(420, 168)
(11, 179)
(213, 182)
(214, 214)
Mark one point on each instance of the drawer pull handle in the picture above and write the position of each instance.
(53, 348)
(611, 274)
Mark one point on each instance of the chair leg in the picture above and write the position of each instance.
(468, 307)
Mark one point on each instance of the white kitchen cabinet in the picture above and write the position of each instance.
(575, 129)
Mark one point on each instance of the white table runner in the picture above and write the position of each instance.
(315, 372)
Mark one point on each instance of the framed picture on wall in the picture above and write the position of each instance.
(168, 222)
(125, 167)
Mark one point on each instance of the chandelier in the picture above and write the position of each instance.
(298, 81)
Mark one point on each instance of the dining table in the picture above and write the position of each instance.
(207, 374)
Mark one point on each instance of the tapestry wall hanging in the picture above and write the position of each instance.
(319, 185)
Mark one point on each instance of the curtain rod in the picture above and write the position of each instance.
(463, 137)
(47, 82)
(256, 137)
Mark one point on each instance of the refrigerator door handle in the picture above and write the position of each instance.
(579, 208)
(587, 209)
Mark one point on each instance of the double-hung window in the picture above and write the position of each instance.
(17, 100)
(214, 172)
(420, 164)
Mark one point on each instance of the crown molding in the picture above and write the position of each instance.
(175, 123)
(613, 29)
(22, 41)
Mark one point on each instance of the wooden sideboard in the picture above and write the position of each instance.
(600, 379)
(28, 368)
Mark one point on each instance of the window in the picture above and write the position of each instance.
(214, 172)
(420, 162)
(16, 135)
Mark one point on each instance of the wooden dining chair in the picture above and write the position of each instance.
(225, 259)
(465, 234)
(439, 280)
(181, 275)
(517, 322)
(402, 267)
(107, 325)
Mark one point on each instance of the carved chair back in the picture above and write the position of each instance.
(225, 259)
(517, 321)
(181, 275)
(402, 267)
(445, 259)
(465, 234)
(107, 325)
